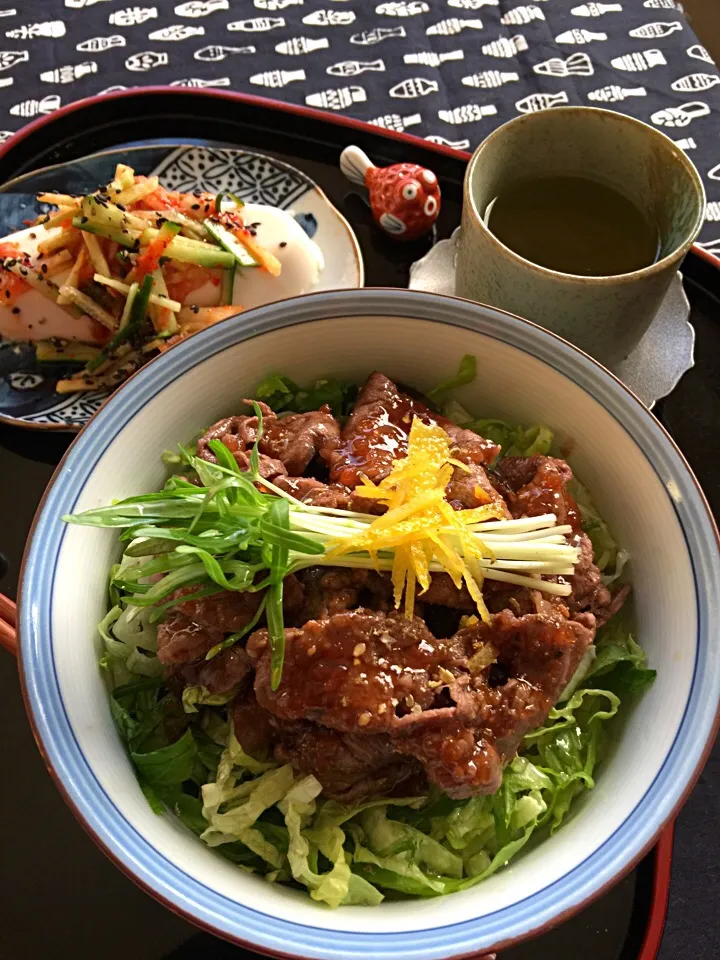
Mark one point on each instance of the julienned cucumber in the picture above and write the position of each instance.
(228, 285)
(138, 299)
(104, 230)
(218, 232)
(192, 251)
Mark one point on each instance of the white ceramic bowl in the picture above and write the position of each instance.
(642, 486)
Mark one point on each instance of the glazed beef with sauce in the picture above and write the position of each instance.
(371, 703)
(287, 445)
(377, 433)
(193, 627)
(368, 674)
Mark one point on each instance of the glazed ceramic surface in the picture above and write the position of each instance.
(653, 368)
(605, 316)
(642, 487)
(27, 389)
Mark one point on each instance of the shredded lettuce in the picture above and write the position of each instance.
(467, 371)
(194, 697)
(284, 396)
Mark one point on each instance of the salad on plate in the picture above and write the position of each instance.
(116, 276)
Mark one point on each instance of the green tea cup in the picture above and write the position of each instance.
(606, 316)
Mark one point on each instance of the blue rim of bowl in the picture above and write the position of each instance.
(263, 931)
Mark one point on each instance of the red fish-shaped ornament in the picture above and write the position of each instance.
(404, 198)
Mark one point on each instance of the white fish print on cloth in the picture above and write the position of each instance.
(614, 93)
(369, 37)
(200, 84)
(69, 73)
(504, 47)
(698, 51)
(10, 58)
(147, 60)
(329, 18)
(661, 5)
(688, 143)
(639, 60)
(177, 32)
(50, 28)
(402, 8)
(579, 36)
(521, 15)
(468, 113)
(714, 173)
(336, 99)
(681, 115)
(132, 16)
(414, 87)
(595, 9)
(652, 30)
(271, 5)
(487, 79)
(216, 52)
(540, 101)
(10, 12)
(455, 144)
(468, 5)
(32, 108)
(393, 121)
(712, 211)
(116, 89)
(452, 26)
(99, 44)
(578, 65)
(428, 58)
(301, 45)
(79, 4)
(256, 25)
(7, 81)
(277, 78)
(695, 81)
(351, 68)
(5, 135)
(201, 8)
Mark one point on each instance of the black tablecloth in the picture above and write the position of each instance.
(448, 70)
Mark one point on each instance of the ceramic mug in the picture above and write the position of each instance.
(605, 316)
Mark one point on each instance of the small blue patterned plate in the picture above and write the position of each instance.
(27, 389)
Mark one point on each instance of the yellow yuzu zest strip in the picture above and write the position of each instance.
(420, 525)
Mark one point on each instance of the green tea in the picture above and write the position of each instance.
(574, 225)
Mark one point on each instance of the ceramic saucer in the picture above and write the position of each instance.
(654, 367)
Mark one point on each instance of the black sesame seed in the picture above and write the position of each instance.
(195, 308)
(83, 219)
(195, 206)
(44, 268)
(283, 243)
(122, 207)
(33, 236)
(16, 309)
(8, 294)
